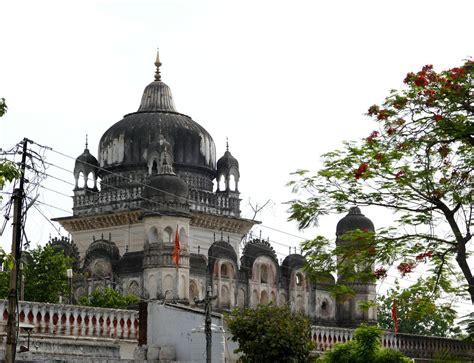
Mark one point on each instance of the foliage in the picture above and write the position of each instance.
(108, 298)
(270, 334)
(468, 322)
(419, 164)
(418, 310)
(364, 348)
(3, 107)
(44, 275)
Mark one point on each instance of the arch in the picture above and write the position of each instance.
(273, 298)
(98, 183)
(168, 235)
(81, 180)
(154, 167)
(264, 297)
(232, 183)
(90, 180)
(263, 273)
(153, 235)
(221, 185)
(193, 291)
(299, 302)
(224, 270)
(299, 279)
(225, 297)
(325, 307)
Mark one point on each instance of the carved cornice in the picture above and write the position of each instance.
(222, 223)
(74, 224)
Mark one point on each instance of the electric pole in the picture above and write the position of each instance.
(208, 321)
(18, 196)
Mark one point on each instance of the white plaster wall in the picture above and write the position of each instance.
(172, 326)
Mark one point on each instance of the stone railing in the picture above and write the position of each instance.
(74, 320)
(414, 346)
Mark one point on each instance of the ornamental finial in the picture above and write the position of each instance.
(158, 65)
(226, 144)
(87, 143)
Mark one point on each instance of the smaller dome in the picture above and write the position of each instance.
(352, 221)
(86, 162)
(157, 97)
(227, 162)
(166, 188)
(222, 249)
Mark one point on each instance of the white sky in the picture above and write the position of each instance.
(285, 80)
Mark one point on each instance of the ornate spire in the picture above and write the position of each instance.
(226, 144)
(158, 65)
(87, 143)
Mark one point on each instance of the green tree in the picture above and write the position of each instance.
(364, 348)
(417, 163)
(419, 311)
(270, 334)
(45, 275)
(108, 298)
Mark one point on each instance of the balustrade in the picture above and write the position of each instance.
(74, 320)
(414, 346)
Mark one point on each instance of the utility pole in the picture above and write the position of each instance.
(18, 196)
(208, 321)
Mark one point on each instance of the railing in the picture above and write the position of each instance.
(414, 346)
(74, 320)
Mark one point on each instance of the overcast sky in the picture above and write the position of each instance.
(285, 81)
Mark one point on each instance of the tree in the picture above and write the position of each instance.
(364, 348)
(8, 170)
(418, 310)
(270, 334)
(419, 164)
(108, 298)
(45, 275)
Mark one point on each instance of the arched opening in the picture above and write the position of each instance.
(241, 298)
(273, 298)
(134, 288)
(264, 274)
(221, 183)
(98, 182)
(224, 270)
(167, 238)
(90, 180)
(299, 279)
(264, 298)
(325, 308)
(153, 235)
(154, 168)
(80, 180)
(232, 183)
(193, 291)
(168, 287)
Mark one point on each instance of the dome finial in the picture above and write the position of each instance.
(226, 144)
(87, 143)
(158, 65)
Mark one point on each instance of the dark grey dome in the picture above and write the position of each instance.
(157, 97)
(86, 162)
(166, 188)
(222, 249)
(291, 262)
(352, 221)
(102, 248)
(254, 249)
(226, 162)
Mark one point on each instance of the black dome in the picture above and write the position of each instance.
(85, 162)
(227, 161)
(352, 221)
(166, 188)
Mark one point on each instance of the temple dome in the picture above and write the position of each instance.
(352, 221)
(166, 188)
(125, 145)
(227, 161)
(86, 162)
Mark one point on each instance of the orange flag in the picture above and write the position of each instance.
(177, 248)
(394, 317)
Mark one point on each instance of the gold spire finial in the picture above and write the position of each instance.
(158, 65)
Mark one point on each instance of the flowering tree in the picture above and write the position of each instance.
(418, 163)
